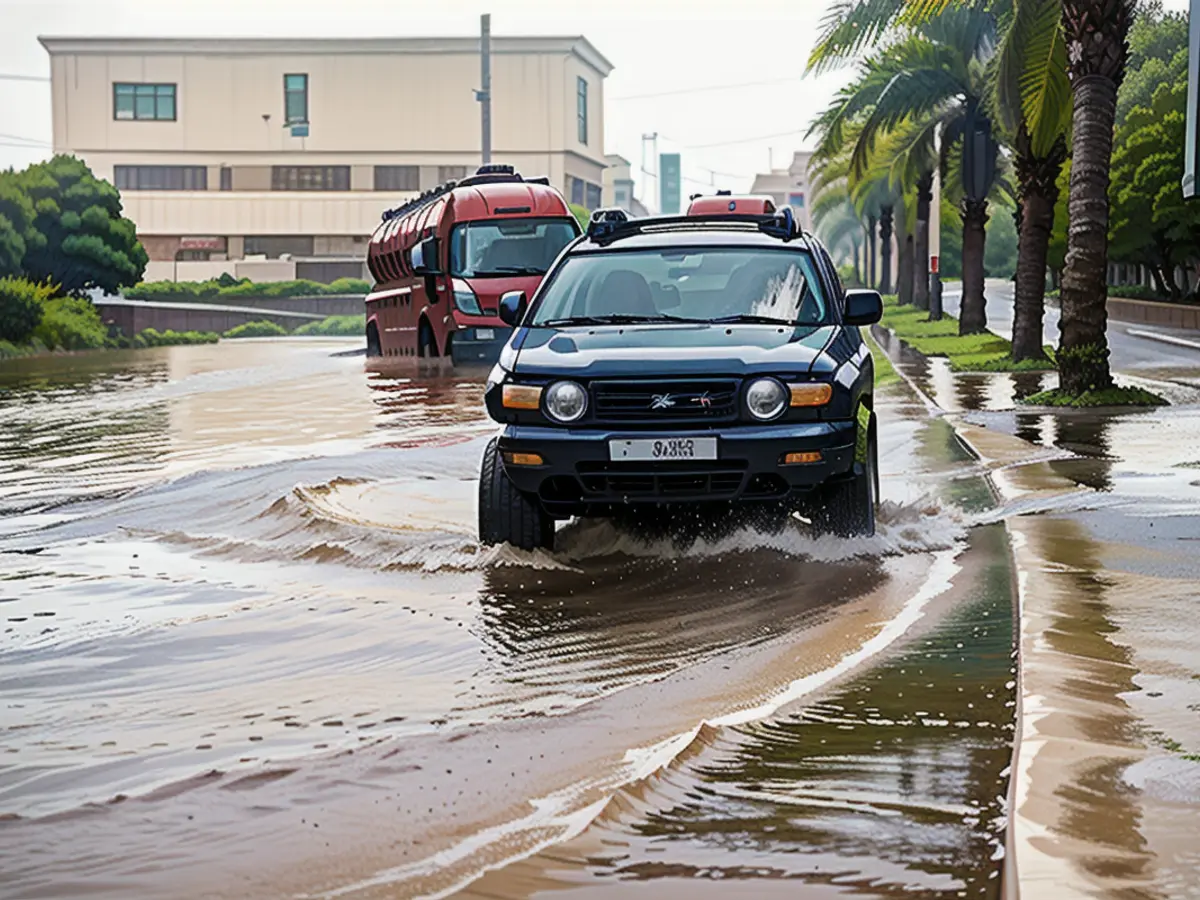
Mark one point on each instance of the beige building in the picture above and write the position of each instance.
(789, 187)
(618, 186)
(275, 158)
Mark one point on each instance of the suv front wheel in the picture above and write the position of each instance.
(506, 516)
(847, 508)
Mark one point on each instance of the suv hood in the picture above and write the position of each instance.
(668, 350)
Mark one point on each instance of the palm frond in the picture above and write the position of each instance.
(1031, 83)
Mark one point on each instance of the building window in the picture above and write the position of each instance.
(274, 247)
(451, 173)
(576, 188)
(295, 99)
(796, 200)
(226, 178)
(592, 200)
(397, 178)
(581, 109)
(152, 102)
(310, 178)
(161, 178)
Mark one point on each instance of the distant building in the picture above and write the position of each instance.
(275, 158)
(789, 187)
(618, 186)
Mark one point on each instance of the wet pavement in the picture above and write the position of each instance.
(252, 647)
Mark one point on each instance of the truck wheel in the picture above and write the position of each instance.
(426, 342)
(506, 516)
(374, 348)
(847, 508)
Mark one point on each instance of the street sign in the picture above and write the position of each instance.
(1191, 167)
(300, 130)
(670, 180)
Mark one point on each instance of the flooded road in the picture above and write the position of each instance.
(252, 648)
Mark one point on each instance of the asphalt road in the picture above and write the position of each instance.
(1132, 346)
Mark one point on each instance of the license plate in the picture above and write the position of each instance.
(485, 334)
(664, 449)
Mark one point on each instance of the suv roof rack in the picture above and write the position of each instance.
(610, 224)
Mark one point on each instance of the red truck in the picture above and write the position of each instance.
(442, 261)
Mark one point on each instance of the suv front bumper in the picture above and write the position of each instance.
(577, 473)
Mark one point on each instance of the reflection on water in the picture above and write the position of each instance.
(892, 786)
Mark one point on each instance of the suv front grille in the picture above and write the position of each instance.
(701, 400)
(713, 480)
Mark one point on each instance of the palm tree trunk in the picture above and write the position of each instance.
(885, 249)
(973, 315)
(904, 275)
(1096, 33)
(920, 271)
(1038, 180)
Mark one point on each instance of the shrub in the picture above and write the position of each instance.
(582, 215)
(70, 323)
(21, 308)
(261, 328)
(151, 337)
(335, 326)
(349, 286)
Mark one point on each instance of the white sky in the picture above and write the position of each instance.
(656, 46)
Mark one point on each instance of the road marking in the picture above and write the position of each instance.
(1165, 338)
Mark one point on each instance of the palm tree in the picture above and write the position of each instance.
(1096, 33)
(935, 79)
(1033, 104)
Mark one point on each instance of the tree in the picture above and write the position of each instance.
(21, 308)
(88, 244)
(17, 233)
(934, 77)
(1096, 34)
(1032, 96)
(1151, 222)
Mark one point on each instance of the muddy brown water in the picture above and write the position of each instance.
(251, 648)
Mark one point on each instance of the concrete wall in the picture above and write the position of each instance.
(130, 317)
(1166, 315)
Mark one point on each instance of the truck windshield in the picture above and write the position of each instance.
(694, 285)
(500, 247)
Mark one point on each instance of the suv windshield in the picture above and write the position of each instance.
(694, 285)
(499, 247)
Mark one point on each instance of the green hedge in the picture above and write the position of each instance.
(262, 328)
(335, 326)
(151, 337)
(228, 288)
(70, 323)
(22, 305)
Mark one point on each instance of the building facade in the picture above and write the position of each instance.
(618, 186)
(275, 158)
(789, 187)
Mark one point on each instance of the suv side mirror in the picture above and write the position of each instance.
(424, 257)
(863, 307)
(512, 307)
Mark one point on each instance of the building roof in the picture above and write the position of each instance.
(121, 46)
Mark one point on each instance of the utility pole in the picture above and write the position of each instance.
(652, 139)
(484, 94)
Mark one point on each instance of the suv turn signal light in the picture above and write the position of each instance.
(811, 394)
(521, 396)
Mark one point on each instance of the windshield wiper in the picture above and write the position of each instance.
(748, 319)
(615, 319)
(510, 270)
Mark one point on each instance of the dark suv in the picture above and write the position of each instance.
(706, 359)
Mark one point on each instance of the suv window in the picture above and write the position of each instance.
(500, 247)
(696, 283)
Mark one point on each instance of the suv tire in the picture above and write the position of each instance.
(847, 508)
(506, 516)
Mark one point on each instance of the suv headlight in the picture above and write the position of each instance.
(566, 401)
(465, 300)
(766, 398)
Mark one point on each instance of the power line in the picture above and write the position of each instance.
(708, 89)
(752, 140)
(25, 146)
(33, 142)
(4, 76)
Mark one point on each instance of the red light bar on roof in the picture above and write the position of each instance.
(754, 205)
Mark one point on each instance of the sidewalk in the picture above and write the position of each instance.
(1105, 786)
